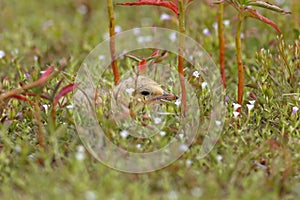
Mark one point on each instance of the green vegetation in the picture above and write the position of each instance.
(42, 157)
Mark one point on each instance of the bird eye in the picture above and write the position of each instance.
(145, 93)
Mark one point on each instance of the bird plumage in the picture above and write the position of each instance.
(136, 92)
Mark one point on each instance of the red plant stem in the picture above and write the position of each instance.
(238, 44)
(112, 41)
(53, 116)
(221, 43)
(180, 54)
(19, 90)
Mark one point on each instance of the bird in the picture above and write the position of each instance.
(134, 93)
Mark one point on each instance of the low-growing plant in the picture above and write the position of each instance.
(114, 65)
(34, 97)
(179, 8)
(245, 9)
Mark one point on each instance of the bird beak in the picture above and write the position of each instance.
(165, 96)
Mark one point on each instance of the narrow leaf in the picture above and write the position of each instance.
(269, 6)
(254, 14)
(64, 91)
(161, 57)
(43, 95)
(142, 66)
(56, 88)
(47, 72)
(134, 57)
(155, 53)
(167, 4)
(21, 98)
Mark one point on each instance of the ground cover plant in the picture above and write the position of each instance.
(43, 44)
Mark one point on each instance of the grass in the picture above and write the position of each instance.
(257, 156)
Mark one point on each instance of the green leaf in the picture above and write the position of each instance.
(254, 14)
(268, 6)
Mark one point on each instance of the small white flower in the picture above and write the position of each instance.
(27, 75)
(79, 156)
(203, 85)
(252, 102)
(236, 106)
(177, 102)
(136, 31)
(173, 36)
(206, 31)
(250, 106)
(226, 22)
(138, 146)
(262, 50)
(219, 158)
(183, 148)
(162, 133)
(218, 122)
(157, 120)
(188, 163)
(242, 35)
(165, 16)
(196, 74)
(215, 25)
(191, 57)
(46, 107)
(129, 91)
(2, 54)
(101, 57)
(69, 107)
(35, 58)
(294, 110)
(124, 134)
(236, 114)
(261, 166)
(80, 149)
(118, 29)
(17, 149)
(181, 135)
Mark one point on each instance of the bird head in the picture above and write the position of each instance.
(140, 89)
